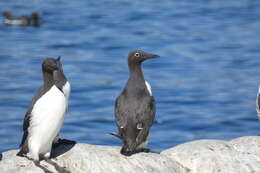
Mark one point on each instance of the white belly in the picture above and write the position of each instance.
(47, 118)
(13, 22)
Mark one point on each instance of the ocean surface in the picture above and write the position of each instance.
(205, 82)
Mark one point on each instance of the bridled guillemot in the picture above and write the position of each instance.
(135, 106)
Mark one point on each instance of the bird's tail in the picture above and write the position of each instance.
(116, 135)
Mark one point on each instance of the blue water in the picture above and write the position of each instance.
(205, 82)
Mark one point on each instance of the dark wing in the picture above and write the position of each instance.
(145, 117)
(120, 111)
(26, 122)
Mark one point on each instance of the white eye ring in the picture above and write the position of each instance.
(137, 54)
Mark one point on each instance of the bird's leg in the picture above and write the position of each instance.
(37, 164)
(57, 167)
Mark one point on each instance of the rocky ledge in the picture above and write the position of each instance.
(241, 155)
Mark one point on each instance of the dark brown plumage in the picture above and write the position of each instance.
(135, 106)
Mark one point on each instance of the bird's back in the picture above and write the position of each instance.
(132, 109)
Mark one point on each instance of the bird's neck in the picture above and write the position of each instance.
(59, 79)
(59, 76)
(48, 79)
(136, 72)
(136, 82)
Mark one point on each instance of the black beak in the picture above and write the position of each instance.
(151, 56)
(58, 59)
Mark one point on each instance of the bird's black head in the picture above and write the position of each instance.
(35, 19)
(129, 146)
(129, 135)
(49, 65)
(7, 15)
(138, 56)
(35, 15)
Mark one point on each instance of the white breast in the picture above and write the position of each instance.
(148, 86)
(13, 22)
(66, 90)
(47, 118)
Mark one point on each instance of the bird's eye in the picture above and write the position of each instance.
(137, 54)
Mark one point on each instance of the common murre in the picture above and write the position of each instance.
(32, 20)
(45, 115)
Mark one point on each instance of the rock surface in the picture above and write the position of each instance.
(241, 155)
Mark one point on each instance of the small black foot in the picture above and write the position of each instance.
(57, 167)
(147, 150)
(142, 150)
(37, 163)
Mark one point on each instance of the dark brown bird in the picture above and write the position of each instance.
(135, 106)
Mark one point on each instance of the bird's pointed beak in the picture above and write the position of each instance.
(151, 56)
(58, 59)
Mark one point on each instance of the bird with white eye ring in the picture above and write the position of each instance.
(137, 55)
(135, 107)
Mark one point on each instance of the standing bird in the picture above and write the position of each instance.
(135, 106)
(45, 115)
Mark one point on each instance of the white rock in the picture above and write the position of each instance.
(241, 155)
(85, 158)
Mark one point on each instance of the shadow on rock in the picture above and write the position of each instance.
(61, 147)
(142, 150)
(146, 150)
(1, 156)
